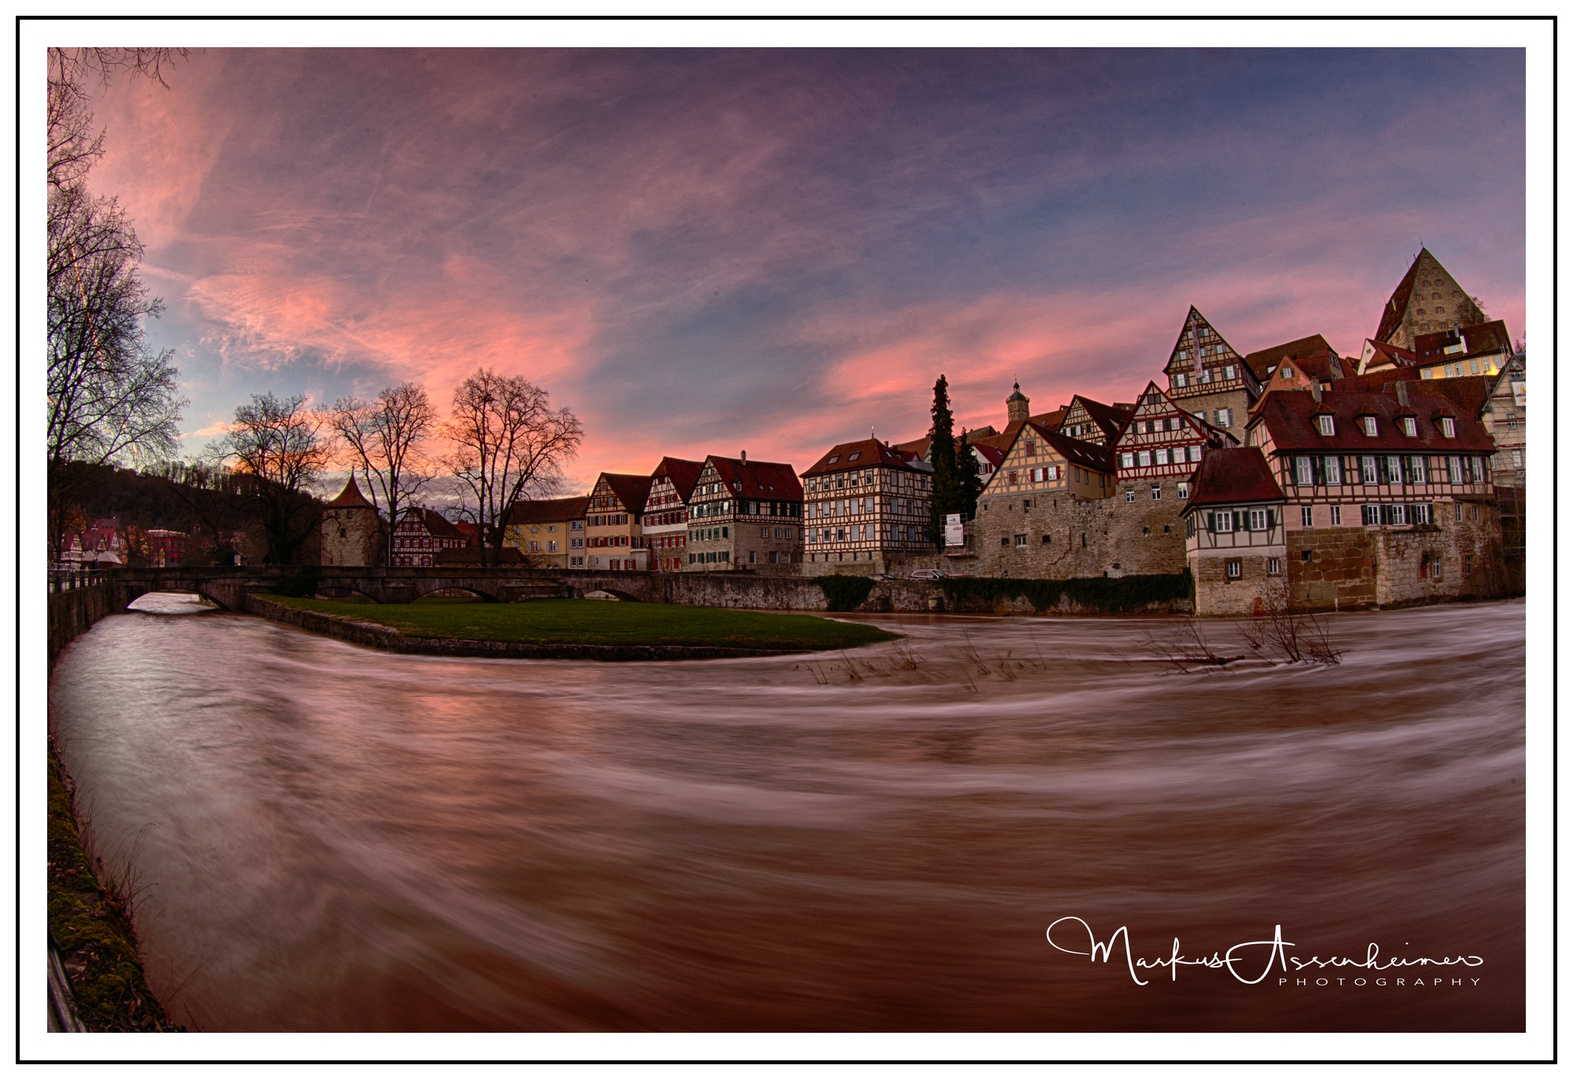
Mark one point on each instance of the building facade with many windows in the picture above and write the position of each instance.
(614, 538)
(1209, 379)
(549, 532)
(1234, 534)
(867, 502)
(1388, 497)
(745, 515)
(665, 522)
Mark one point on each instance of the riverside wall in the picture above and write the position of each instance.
(72, 611)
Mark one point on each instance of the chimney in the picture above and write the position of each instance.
(742, 455)
(1316, 392)
(1401, 388)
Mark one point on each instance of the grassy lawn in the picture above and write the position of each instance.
(603, 622)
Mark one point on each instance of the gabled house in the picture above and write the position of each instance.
(1470, 350)
(1208, 378)
(1234, 533)
(550, 532)
(1092, 421)
(745, 515)
(1295, 365)
(1388, 497)
(1427, 299)
(421, 535)
(614, 539)
(1044, 511)
(867, 502)
(665, 522)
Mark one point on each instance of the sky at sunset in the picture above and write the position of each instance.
(707, 251)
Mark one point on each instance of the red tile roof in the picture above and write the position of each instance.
(758, 479)
(631, 490)
(1088, 455)
(1312, 354)
(535, 511)
(1383, 353)
(1288, 416)
(684, 475)
(1469, 393)
(869, 452)
(1111, 418)
(1238, 474)
(1478, 340)
(351, 496)
(1398, 303)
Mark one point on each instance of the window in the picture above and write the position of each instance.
(1032, 448)
(1368, 425)
(1417, 470)
(1302, 472)
(1305, 517)
(1275, 566)
(1229, 370)
(1370, 514)
(1004, 541)
(1518, 461)
(1286, 372)
(1333, 471)
(854, 455)
(1182, 490)
(1021, 539)
(1337, 513)
(1231, 569)
(1144, 457)
(1157, 492)
(1225, 417)
(1447, 427)
(1324, 423)
(1407, 425)
(1195, 453)
(1455, 470)
(1469, 565)
(1222, 521)
(1258, 520)
(1130, 496)
(1161, 456)
(1127, 460)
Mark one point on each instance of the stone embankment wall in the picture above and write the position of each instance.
(72, 611)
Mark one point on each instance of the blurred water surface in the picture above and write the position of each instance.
(328, 837)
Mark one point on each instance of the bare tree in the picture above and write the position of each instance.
(508, 442)
(280, 443)
(383, 438)
(110, 398)
(1287, 629)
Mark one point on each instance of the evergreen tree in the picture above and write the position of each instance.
(967, 474)
(946, 496)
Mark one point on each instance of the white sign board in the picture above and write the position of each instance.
(954, 534)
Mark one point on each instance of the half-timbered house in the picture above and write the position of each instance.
(666, 512)
(745, 515)
(1234, 533)
(867, 502)
(612, 524)
(1208, 378)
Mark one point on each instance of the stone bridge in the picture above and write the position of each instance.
(228, 585)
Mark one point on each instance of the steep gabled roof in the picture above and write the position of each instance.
(1188, 339)
(631, 490)
(351, 496)
(863, 454)
(1109, 418)
(1398, 303)
(1155, 396)
(535, 511)
(758, 479)
(1312, 354)
(1239, 474)
(1086, 454)
(684, 475)
(1288, 416)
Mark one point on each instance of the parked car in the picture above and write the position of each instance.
(925, 575)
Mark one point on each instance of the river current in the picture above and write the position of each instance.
(327, 837)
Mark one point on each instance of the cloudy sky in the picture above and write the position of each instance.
(776, 250)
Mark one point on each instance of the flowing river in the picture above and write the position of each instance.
(327, 837)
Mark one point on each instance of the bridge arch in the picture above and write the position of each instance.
(486, 596)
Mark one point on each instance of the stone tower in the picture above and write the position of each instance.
(1427, 300)
(1016, 406)
(351, 530)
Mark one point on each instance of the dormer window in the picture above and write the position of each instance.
(1407, 424)
(832, 459)
(1286, 372)
(1447, 427)
(854, 455)
(1368, 425)
(1324, 423)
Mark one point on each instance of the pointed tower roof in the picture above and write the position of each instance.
(1428, 300)
(351, 496)
(1398, 303)
(1016, 394)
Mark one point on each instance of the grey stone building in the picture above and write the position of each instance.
(352, 532)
